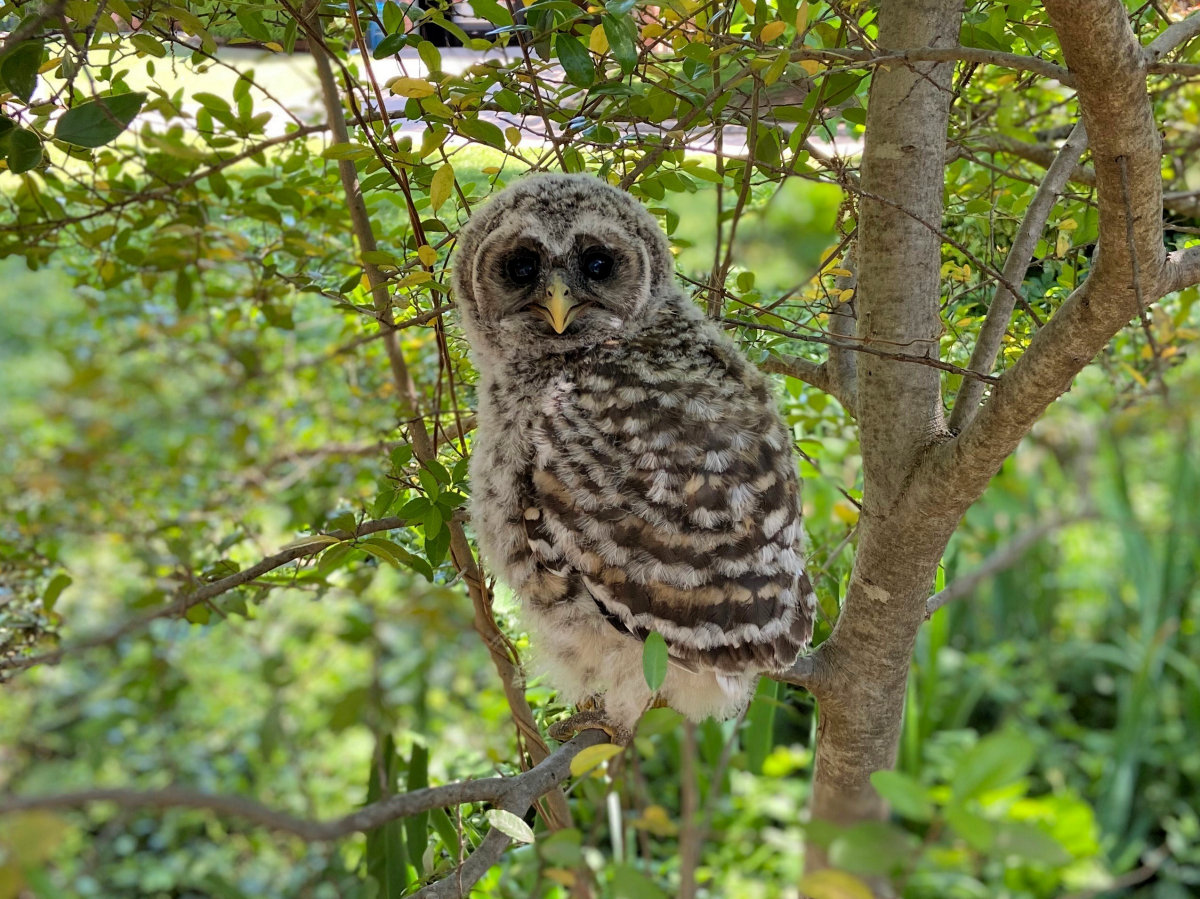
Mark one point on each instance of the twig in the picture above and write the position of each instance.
(863, 348)
(1020, 254)
(1002, 559)
(1142, 312)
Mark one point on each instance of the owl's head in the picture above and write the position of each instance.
(557, 263)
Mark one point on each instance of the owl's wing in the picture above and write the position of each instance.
(666, 488)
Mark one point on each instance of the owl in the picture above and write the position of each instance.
(630, 473)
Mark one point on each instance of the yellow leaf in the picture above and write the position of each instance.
(513, 135)
(840, 272)
(414, 278)
(441, 186)
(598, 41)
(490, 170)
(411, 87)
(845, 512)
(561, 876)
(801, 18)
(748, 6)
(771, 31)
(1063, 245)
(811, 66)
(274, 46)
(845, 295)
(651, 32)
(592, 757)
(830, 883)
(655, 820)
(427, 254)
(1068, 225)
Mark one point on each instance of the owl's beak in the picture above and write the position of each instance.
(558, 308)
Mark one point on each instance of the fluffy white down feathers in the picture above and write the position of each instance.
(630, 471)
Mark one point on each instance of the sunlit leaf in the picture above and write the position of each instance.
(510, 825)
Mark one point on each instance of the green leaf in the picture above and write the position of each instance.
(390, 45)
(19, 70)
(54, 589)
(386, 856)
(492, 11)
(621, 33)
(510, 825)
(97, 122)
(417, 826)
(482, 131)
(654, 660)
(759, 737)
(251, 21)
(872, 848)
(630, 883)
(992, 762)
(24, 151)
(907, 797)
(593, 757)
(575, 59)
(1030, 843)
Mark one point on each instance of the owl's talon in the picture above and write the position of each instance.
(591, 719)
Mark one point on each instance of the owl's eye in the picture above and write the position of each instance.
(598, 263)
(522, 267)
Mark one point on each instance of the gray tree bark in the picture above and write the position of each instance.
(919, 477)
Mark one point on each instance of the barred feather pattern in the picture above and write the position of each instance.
(643, 483)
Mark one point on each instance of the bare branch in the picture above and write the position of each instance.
(520, 793)
(809, 671)
(1020, 254)
(1183, 270)
(1002, 559)
(1176, 33)
(855, 346)
(514, 794)
(812, 373)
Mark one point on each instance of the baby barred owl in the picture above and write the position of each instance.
(630, 472)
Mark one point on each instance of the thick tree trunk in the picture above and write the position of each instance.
(899, 413)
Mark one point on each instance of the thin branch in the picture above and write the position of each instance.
(188, 598)
(1020, 254)
(1002, 559)
(1182, 271)
(1176, 33)
(864, 348)
(519, 795)
(514, 794)
(809, 671)
(31, 25)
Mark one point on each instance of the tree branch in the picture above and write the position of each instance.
(1176, 33)
(1107, 61)
(1183, 270)
(514, 794)
(1020, 254)
(1002, 559)
(519, 795)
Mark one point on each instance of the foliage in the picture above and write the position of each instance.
(194, 376)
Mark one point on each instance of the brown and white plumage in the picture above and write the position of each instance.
(630, 472)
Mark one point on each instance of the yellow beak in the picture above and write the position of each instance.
(558, 308)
